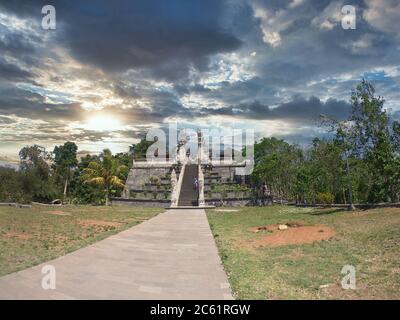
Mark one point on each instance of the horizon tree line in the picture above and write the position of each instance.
(360, 162)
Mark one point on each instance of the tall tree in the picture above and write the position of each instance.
(372, 139)
(35, 158)
(343, 132)
(37, 180)
(276, 162)
(65, 161)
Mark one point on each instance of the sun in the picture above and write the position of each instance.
(103, 123)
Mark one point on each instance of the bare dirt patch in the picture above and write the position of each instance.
(292, 235)
(101, 223)
(270, 227)
(58, 213)
(226, 210)
(19, 235)
(273, 227)
(392, 210)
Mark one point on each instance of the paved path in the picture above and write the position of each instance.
(171, 256)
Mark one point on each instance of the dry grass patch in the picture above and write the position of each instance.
(58, 213)
(18, 235)
(31, 236)
(301, 262)
(101, 223)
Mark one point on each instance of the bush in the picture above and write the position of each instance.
(25, 186)
(325, 198)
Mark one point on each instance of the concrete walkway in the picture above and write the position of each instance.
(171, 256)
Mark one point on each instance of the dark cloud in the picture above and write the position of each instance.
(18, 52)
(183, 89)
(27, 104)
(165, 106)
(127, 49)
(308, 51)
(181, 34)
(229, 93)
(298, 110)
(164, 37)
(125, 91)
(17, 43)
(11, 72)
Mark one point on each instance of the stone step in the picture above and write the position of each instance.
(189, 195)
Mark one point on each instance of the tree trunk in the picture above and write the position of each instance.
(65, 187)
(107, 198)
(351, 205)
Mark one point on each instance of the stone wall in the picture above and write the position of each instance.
(140, 202)
(226, 172)
(138, 176)
(140, 189)
(167, 203)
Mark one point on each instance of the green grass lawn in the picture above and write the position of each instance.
(31, 236)
(368, 240)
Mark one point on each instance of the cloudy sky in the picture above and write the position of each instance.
(113, 69)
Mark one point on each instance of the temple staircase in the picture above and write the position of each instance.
(189, 195)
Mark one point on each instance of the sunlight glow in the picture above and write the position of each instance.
(103, 123)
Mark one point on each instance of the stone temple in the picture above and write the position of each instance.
(191, 179)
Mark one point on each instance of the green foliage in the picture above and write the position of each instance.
(139, 150)
(35, 175)
(43, 177)
(155, 181)
(125, 159)
(324, 197)
(65, 155)
(65, 161)
(361, 162)
(34, 158)
(276, 164)
(222, 190)
(107, 172)
(374, 140)
(11, 186)
(84, 193)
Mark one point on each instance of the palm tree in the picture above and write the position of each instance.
(105, 173)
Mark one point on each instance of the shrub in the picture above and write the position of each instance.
(324, 197)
